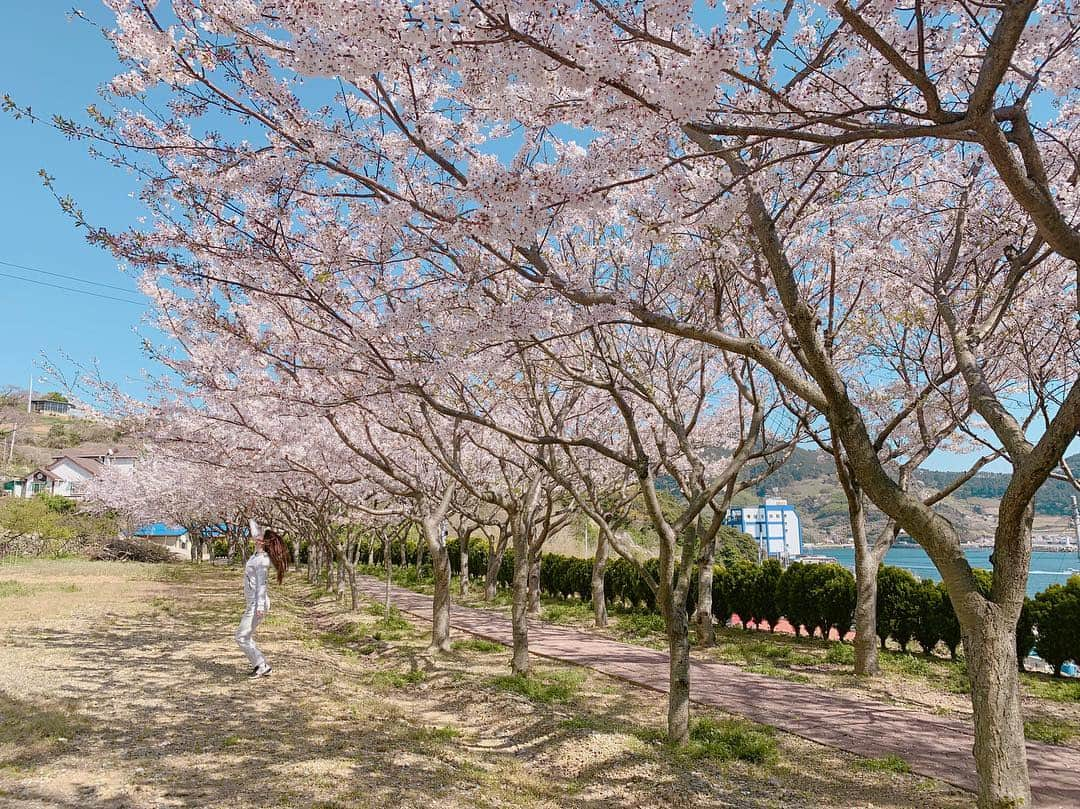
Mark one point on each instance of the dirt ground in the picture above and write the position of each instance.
(121, 687)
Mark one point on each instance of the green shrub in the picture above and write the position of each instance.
(841, 654)
(765, 606)
(57, 503)
(832, 593)
(1056, 612)
(546, 687)
(928, 628)
(1051, 731)
(743, 591)
(897, 605)
(49, 526)
(792, 596)
(721, 593)
(731, 740)
(478, 645)
(947, 624)
(817, 597)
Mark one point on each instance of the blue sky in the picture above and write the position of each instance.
(55, 65)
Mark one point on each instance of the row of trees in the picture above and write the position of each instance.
(815, 598)
(435, 261)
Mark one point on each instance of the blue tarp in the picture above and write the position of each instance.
(160, 529)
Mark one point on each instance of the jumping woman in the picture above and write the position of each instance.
(270, 549)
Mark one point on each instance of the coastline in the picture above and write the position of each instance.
(913, 546)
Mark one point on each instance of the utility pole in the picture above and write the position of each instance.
(1076, 524)
(30, 396)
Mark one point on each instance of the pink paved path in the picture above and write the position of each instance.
(934, 746)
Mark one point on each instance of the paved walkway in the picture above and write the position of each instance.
(934, 746)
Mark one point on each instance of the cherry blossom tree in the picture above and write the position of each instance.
(311, 166)
(172, 490)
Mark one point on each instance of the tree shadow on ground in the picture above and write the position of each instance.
(162, 698)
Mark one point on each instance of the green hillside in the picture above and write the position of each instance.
(808, 481)
(38, 436)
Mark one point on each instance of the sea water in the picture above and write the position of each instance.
(1046, 567)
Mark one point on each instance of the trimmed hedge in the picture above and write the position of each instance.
(1056, 612)
(822, 597)
(812, 598)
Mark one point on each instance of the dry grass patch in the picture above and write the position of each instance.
(350, 721)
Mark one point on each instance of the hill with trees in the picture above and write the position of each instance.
(808, 481)
(29, 440)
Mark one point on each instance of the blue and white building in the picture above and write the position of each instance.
(173, 538)
(774, 524)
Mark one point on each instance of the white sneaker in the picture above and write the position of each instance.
(261, 671)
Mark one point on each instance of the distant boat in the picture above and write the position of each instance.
(811, 559)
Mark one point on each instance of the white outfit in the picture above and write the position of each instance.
(248, 623)
(257, 604)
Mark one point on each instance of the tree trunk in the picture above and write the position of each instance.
(440, 606)
(491, 578)
(388, 561)
(519, 664)
(1000, 754)
(599, 598)
(866, 641)
(867, 560)
(703, 618)
(534, 581)
(463, 562)
(678, 632)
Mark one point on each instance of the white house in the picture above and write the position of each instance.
(72, 468)
(774, 524)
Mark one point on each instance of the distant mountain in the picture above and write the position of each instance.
(1054, 497)
(808, 481)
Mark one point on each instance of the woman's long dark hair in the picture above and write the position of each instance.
(278, 551)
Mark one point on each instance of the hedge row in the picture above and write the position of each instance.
(814, 598)
(909, 609)
(817, 597)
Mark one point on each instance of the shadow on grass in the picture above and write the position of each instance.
(205, 736)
